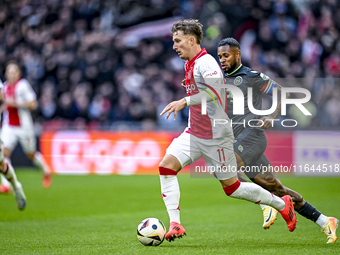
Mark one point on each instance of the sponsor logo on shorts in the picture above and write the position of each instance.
(240, 148)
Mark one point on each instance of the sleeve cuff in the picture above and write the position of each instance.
(188, 100)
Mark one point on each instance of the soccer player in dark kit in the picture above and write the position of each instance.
(250, 139)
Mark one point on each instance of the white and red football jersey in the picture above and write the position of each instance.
(204, 76)
(21, 92)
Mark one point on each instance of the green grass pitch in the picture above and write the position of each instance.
(100, 214)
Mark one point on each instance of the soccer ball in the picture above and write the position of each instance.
(151, 232)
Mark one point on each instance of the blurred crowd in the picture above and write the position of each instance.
(86, 74)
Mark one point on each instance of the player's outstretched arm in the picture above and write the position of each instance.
(268, 120)
(174, 107)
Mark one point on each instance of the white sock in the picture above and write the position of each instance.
(174, 215)
(322, 220)
(171, 196)
(254, 193)
(40, 162)
(10, 175)
(262, 206)
(4, 181)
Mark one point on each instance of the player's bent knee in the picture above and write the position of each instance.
(170, 162)
(270, 183)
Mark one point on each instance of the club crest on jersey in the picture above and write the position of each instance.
(238, 80)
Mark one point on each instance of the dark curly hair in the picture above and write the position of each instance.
(231, 42)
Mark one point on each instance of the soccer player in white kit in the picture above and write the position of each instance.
(7, 170)
(20, 99)
(202, 137)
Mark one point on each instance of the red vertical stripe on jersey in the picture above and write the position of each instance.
(13, 114)
(200, 125)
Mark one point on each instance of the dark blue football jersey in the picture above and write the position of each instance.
(244, 77)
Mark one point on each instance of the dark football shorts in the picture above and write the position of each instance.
(250, 144)
(257, 166)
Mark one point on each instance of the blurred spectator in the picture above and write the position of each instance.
(88, 61)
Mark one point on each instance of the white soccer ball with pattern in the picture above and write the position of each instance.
(151, 232)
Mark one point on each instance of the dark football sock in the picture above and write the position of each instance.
(310, 212)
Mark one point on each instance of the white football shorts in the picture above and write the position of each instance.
(12, 135)
(218, 153)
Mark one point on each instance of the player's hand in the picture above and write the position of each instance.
(11, 103)
(174, 107)
(267, 122)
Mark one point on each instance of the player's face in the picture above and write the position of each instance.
(229, 58)
(182, 44)
(12, 73)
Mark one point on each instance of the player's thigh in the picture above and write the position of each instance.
(219, 155)
(27, 141)
(250, 144)
(9, 137)
(184, 149)
(260, 169)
